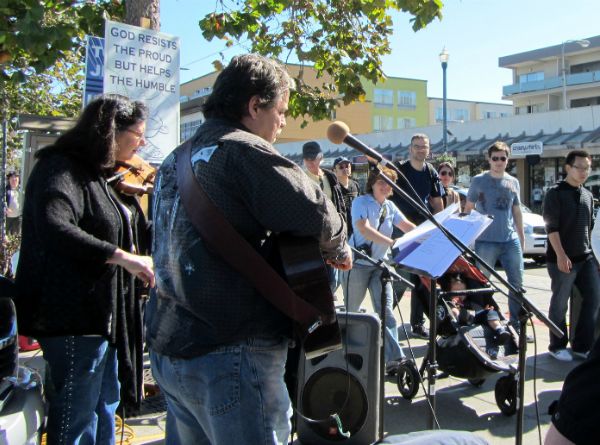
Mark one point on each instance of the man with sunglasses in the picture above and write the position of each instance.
(349, 187)
(568, 214)
(496, 193)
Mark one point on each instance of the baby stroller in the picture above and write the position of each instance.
(470, 351)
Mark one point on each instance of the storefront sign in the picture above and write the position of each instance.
(521, 149)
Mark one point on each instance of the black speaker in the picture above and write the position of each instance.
(344, 382)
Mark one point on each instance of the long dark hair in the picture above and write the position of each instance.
(92, 140)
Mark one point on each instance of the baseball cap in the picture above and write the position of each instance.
(311, 150)
(340, 160)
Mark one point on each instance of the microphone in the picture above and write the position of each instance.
(338, 132)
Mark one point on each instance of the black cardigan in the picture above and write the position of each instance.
(71, 227)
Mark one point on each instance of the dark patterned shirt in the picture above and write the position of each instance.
(200, 302)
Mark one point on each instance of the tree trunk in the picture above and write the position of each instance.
(135, 10)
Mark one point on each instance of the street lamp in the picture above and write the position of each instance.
(444, 56)
(584, 44)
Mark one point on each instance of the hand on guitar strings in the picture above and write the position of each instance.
(344, 261)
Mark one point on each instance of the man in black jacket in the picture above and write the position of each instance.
(312, 157)
(568, 213)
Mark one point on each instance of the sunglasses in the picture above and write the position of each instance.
(446, 173)
(499, 158)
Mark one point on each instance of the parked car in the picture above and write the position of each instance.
(534, 227)
(21, 401)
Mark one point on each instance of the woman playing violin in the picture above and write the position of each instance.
(77, 265)
(134, 177)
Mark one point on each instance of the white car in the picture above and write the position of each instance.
(534, 227)
(536, 238)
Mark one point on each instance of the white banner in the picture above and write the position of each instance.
(144, 65)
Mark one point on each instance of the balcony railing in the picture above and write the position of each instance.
(551, 83)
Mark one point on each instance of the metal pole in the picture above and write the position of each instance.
(432, 353)
(564, 76)
(584, 43)
(445, 108)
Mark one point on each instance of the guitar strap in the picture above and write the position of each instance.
(220, 235)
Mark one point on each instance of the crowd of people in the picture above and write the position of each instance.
(85, 261)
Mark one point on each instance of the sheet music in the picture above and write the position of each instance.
(423, 230)
(432, 253)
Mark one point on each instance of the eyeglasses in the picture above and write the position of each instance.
(499, 158)
(446, 173)
(139, 134)
(581, 169)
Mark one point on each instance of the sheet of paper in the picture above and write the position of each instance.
(435, 254)
(423, 230)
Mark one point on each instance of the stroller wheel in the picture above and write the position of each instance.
(477, 382)
(408, 379)
(506, 395)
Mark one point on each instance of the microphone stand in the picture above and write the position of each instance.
(387, 274)
(528, 309)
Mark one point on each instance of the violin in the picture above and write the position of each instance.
(134, 177)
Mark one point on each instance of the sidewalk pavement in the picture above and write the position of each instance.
(460, 405)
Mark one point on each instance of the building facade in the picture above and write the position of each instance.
(461, 111)
(557, 77)
(393, 104)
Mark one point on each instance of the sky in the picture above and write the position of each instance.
(474, 32)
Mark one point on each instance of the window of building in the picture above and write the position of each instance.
(531, 77)
(407, 99)
(188, 129)
(529, 109)
(383, 98)
(502, 114)
(407, 122)
(489, 115)
(439, 114)
(383, 123)
(585, 67)
(459, 114)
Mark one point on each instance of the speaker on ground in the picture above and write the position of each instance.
(344, 382)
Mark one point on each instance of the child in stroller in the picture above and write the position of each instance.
(475, 348)
(467, 311)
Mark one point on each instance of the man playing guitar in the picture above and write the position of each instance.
(218, 348)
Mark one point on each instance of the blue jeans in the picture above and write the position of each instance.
(82, 406)
(510, 255)
(333, 275)
(235, 394)
(355, 283)
(584, 275)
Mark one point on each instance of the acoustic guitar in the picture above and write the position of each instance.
(304, 270)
